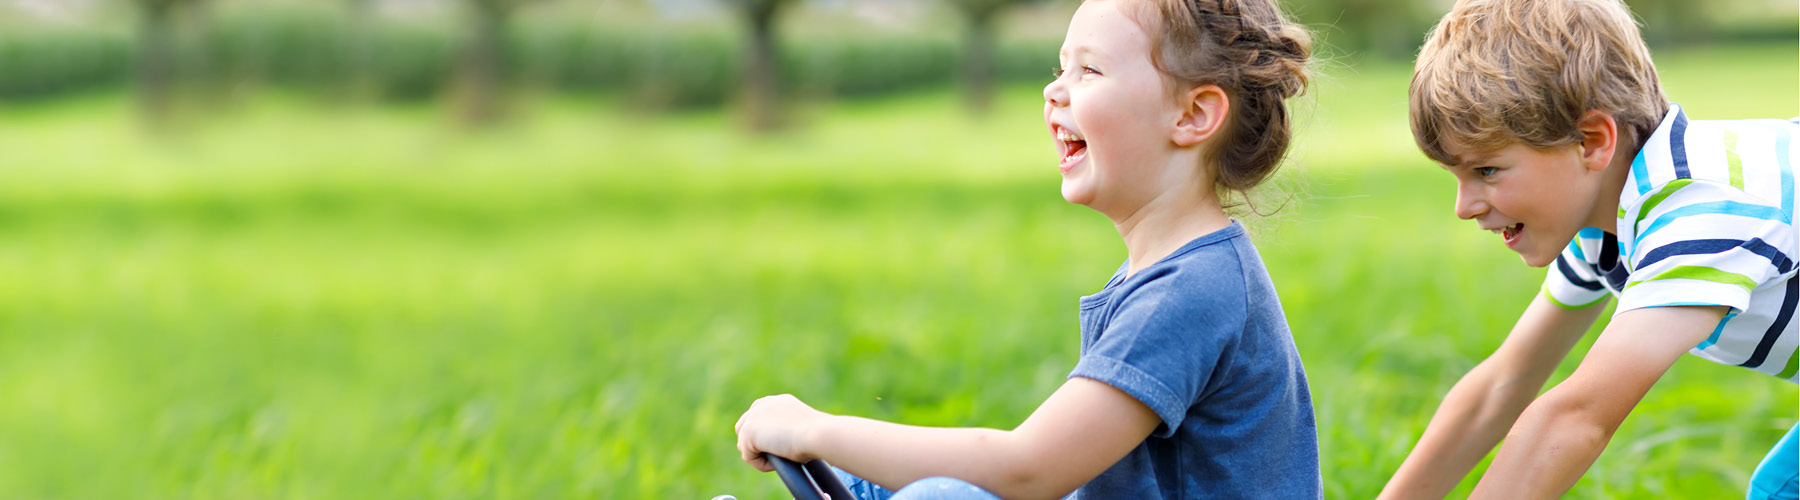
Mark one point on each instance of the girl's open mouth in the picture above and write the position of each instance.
(1072, 147)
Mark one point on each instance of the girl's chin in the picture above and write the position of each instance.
(1074, 193)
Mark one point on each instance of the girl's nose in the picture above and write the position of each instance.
(1056, 94)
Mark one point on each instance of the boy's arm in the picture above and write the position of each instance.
(1559, 436)
(1082, 429)
(1480, 408)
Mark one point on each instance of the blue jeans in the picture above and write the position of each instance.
(1778, 477)
(931, 488)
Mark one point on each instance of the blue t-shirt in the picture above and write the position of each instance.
(1199, 338)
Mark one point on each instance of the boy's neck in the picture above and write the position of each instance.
(1606, 209)
(1166, 223)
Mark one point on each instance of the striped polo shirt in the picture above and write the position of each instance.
(1705, 219)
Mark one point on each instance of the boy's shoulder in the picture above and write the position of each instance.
(1747, 161)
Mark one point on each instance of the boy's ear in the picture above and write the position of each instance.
(1599, 139)
(1203, 114)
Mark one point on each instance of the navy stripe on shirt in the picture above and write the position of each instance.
(1678, 144)
(1698, 247)
(1763, 248)
(1562, 264)
(1617, 277)
(1775, 329)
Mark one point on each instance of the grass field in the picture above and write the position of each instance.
(299, 301)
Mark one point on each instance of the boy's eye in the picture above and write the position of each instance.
(1485, 171)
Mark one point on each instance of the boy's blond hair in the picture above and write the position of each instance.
(1494, 72)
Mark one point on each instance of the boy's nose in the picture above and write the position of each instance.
(1468, 204)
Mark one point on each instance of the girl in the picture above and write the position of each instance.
(1188, 384)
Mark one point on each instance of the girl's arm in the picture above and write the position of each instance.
(1481, 407)
(1082, 429)
(1561, 434)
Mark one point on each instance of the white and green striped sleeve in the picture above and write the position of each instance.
(1699, 242)
(1572, 281)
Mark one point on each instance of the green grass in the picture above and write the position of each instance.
(303, 302)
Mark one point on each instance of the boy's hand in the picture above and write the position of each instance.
(1480, 409)
(1559, 435)
(776, 424)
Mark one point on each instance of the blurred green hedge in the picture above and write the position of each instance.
(318, 51)
(319, 47)
(48, 63)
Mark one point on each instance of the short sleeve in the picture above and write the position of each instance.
(1572, 282)
(1706, 243)
(1164, 342)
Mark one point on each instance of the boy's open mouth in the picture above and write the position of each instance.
(1072, 147)
(1511, 233)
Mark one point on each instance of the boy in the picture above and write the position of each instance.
(1550, 115)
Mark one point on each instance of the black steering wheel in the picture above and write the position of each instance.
(810, 481)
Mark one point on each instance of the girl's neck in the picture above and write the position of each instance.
(1167, 222)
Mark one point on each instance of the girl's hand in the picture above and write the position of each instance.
(776, 424)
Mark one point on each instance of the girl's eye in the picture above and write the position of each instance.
(1089, 70)
(1485, 171)
(1056, 72)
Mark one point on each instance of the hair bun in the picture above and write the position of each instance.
(1251, 50)
(1295, 47)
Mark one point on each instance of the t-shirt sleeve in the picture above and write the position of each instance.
(1164, 342)
(1571, 282)
(1706, 243)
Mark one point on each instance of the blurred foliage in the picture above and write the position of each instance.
(312, 46)
(42, 64)
(307, 49)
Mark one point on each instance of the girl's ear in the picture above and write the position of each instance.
(1599, 138)
(1203, 114)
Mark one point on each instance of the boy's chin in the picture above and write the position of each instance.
(1536, 258)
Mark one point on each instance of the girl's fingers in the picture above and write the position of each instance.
(745, 451)
(753, 456)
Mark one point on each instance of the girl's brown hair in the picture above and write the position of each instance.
(1249, 49)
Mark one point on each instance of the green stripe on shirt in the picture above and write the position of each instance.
(1731, 159)
(1792, 366)
(1701, 273)
(1663, 194)
(1546, 292)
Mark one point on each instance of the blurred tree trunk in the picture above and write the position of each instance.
(978, 55)
(978, 51)
(1668, 23)
(1386, 29)
(482, 75)
(762, 74)
(359, 47)
(156, 59)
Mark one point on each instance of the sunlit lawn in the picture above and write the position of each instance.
(302, 301)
